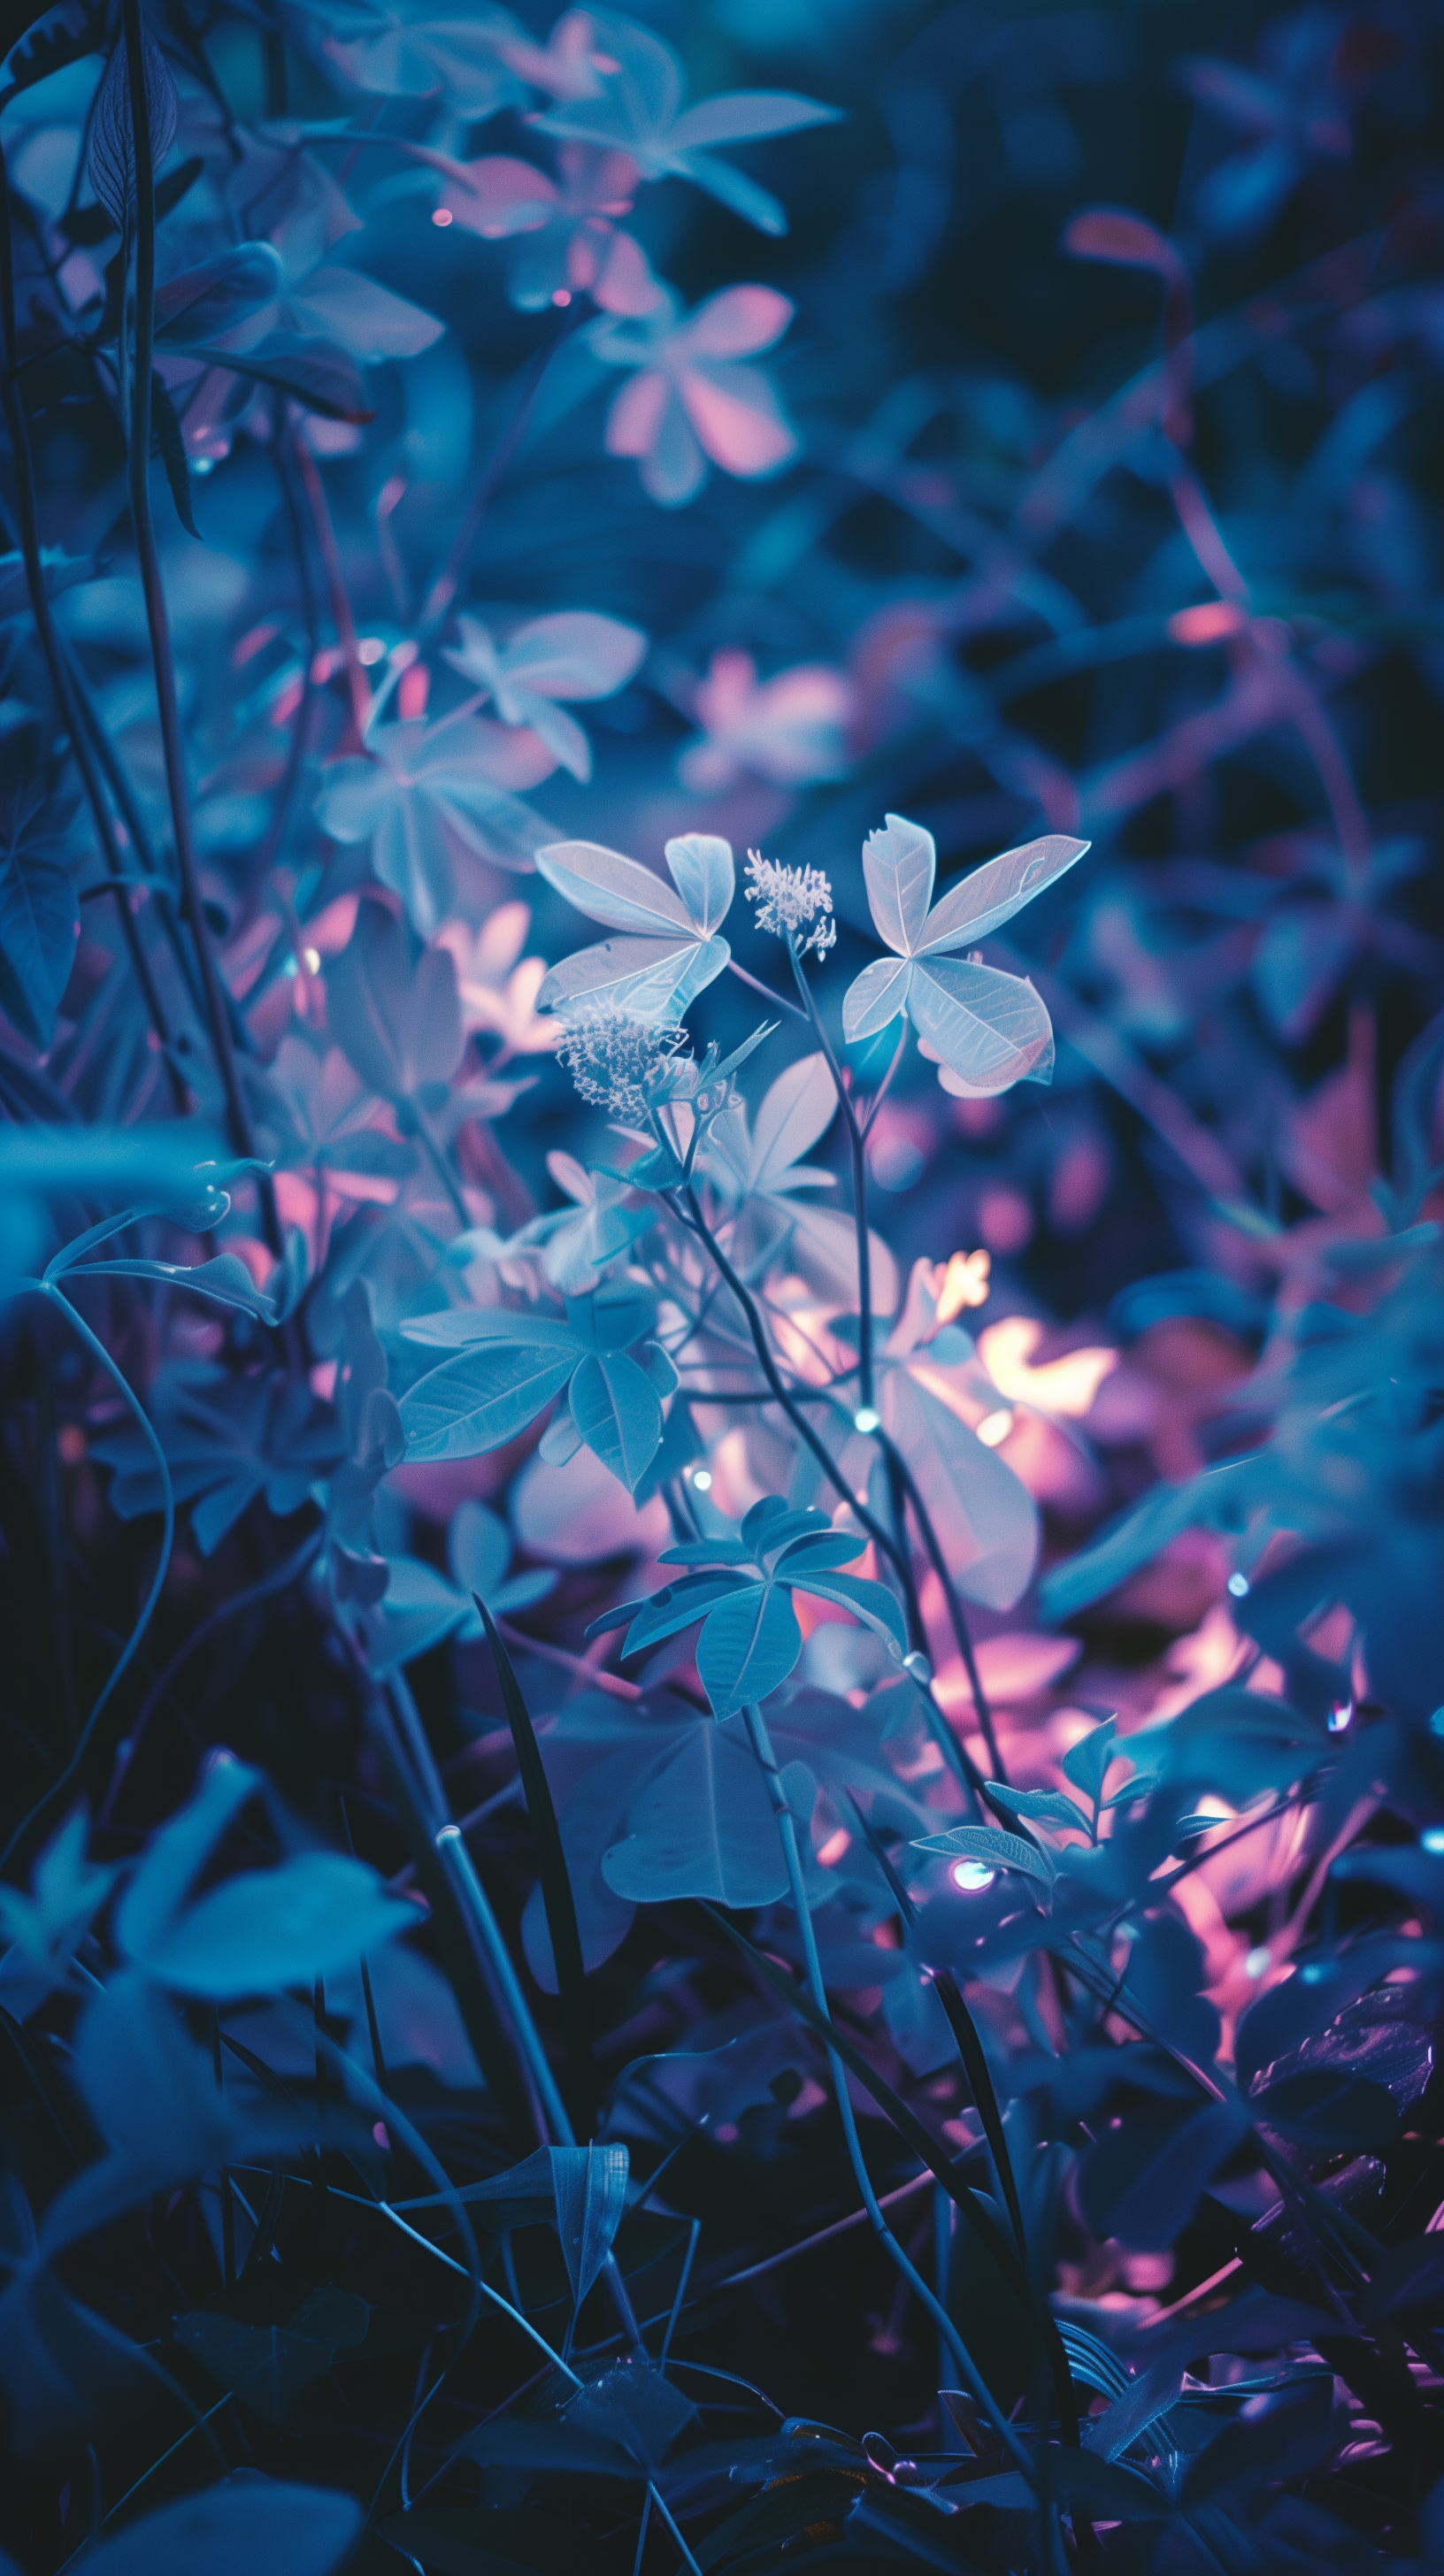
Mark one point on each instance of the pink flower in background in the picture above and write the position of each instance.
(571, 243)
(789, 729)
(497, 986)
(689, 400)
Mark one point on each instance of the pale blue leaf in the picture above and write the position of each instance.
(988, 1028)
(481, 1399)
(612, 889)
(797, 1109)
(677, 1605)
(615, 1408)
(899, 864)
(648, 979)
(748, 1645)
(872, 1603)
(702, 867)
(982, 902)
(561, 733)
(741, 115)
(875, 997)
(467, 1327)
(732, 188)
(574, 655)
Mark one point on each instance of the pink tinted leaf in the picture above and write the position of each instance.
(561, 734)
(499, 196)
(636, 413)
(675, 468)
(738, 419)
(1130, 241)
(982, 902)
(735, 323)
(989, 1028)
(626, 283)
(899, 864)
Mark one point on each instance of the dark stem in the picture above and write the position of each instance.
(157, 620)
(957, 1616)
(444, 588)
(53, 649)
(859, 1184)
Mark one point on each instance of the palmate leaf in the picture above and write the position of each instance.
(227, 1439)
(420, 794)
(988, 1030)
(636, 108)
(669, 952)
(747, 1646)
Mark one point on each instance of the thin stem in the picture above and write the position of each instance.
(792, 1861)
(859, 1181)
(957, 1616)
(278, 1580)
(447, 582)
(779, 1001)
(53, 648)
(840, 1486)
(157, 618)
(45, 1288)
(341, 617)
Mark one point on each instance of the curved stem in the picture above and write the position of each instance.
(157, 618)
(855, 1145)
(278, 1580)
(866, 1518)
(45, 1288)
(62, 677)
(792, 1860)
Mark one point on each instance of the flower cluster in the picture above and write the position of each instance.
(795, 903)
(618, 1062)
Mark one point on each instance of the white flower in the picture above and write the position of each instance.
(616, 1061)
(795, 903)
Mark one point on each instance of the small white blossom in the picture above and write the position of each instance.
(618, 1062)
(795, 903)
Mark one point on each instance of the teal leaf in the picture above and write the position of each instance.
(271, 1928)
(704, 1826)
(999, 1850)
(748, 1645)
(481, 1399)
(615, 1408)
(39, 914)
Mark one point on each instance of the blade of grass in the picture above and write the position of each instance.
(556, 1886)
